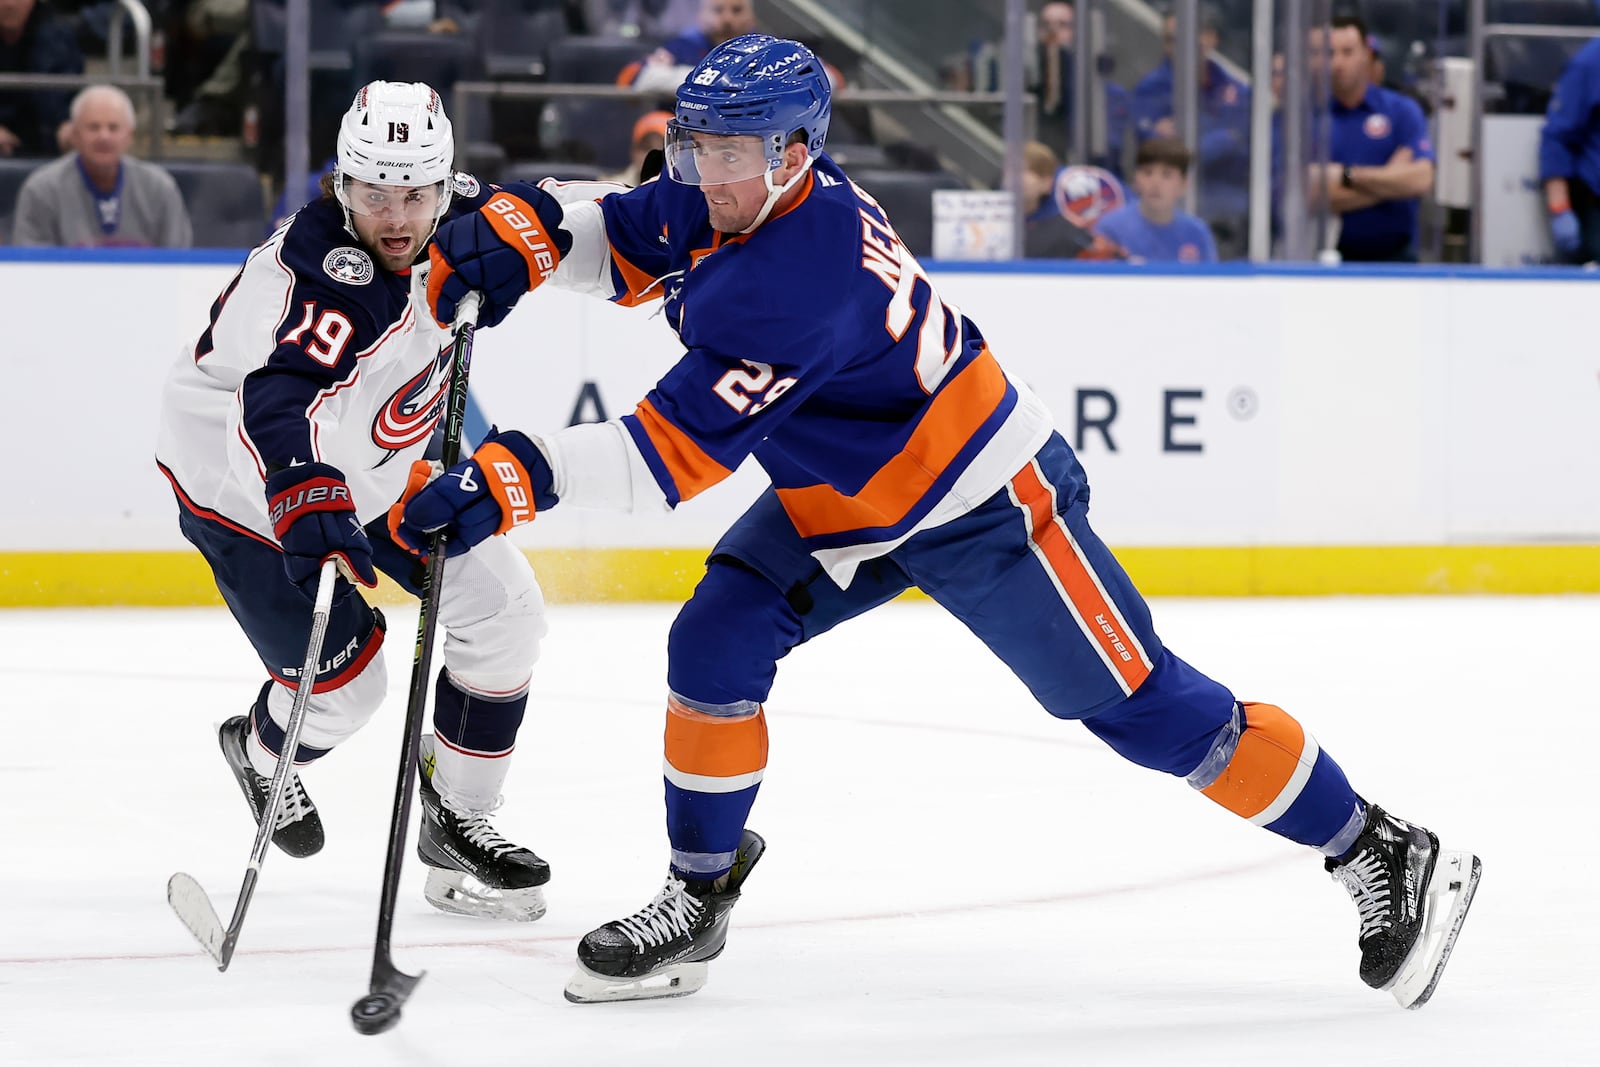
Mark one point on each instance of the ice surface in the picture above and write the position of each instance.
(953, 876)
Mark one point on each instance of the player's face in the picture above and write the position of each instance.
(734, 205)
(393, 221)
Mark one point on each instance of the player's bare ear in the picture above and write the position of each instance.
(794, 157)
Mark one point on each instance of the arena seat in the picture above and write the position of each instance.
(13, 172)
(225, 202)
(602, 127)
(907, 197)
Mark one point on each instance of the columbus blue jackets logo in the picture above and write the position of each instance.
(349, 265)
(464, 184)
(414, 410)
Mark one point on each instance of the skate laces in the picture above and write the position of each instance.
(296, 802)
(476, 828)
(669, 915)
(1366, 879)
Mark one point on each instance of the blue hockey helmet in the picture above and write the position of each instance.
(751, 86)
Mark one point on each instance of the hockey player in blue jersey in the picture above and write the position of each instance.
(289, 430)
(901, 455)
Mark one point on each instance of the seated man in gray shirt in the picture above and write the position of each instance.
(98, 194)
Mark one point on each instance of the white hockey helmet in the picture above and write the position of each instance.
(396, 134)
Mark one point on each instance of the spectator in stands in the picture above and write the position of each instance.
(1223, 167)
(209, 48)
(664, 69)
(1052, 80)
(1155, 228)
(1047, 233)
(34, 40)
(649, 134)
(1382, 159)
(656, 19)
(98, 194)
(1569, 158)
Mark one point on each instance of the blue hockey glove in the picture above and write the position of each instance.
(1564, 231)
(506, 248)
(313, 517)
(505, 483)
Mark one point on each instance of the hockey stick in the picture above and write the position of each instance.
(379, 1010)
(184, 893)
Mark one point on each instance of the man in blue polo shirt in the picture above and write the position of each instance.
(1569, 158)
(1382, 157)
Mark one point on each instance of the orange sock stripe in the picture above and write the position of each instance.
(1264, 765)
(1097, 616)
(713, 747)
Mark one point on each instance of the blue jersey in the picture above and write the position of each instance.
(1569, 144)
(1185, 239)
(818, 345)
(1368, 135)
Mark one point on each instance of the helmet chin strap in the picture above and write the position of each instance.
(776, 191)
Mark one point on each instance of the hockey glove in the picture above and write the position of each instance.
(506, 248)
(313, 517)
(1565, 233)
(507, 481)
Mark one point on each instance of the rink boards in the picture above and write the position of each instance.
(1245, 431)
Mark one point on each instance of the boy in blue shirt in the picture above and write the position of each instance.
(1153, 228)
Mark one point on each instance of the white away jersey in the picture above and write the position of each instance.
(313, 353)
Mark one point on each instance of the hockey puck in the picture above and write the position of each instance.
(375, 1013)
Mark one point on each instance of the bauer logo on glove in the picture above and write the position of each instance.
(505, 249)
(504, 485)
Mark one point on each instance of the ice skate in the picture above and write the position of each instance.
(472, 870)
(662, 949)
(1412, 898)
(299, 828)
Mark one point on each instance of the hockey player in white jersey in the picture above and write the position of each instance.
(299, 417)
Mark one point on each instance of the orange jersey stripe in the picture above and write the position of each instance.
(1096, 615)
(948, 424)
(1263, 765)
(642, 288)
(692, 470)
(715, 747)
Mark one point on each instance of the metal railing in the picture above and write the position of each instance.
(464, 91)
(140, 85)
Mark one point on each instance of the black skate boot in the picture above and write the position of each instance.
(1412, 898)
(662, 949)
(299, 828)
(472, 870)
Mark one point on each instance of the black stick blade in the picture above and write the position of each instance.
(379, 1010)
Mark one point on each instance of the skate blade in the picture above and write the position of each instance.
(678, 980)
(1455, 881)
(462, 894)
